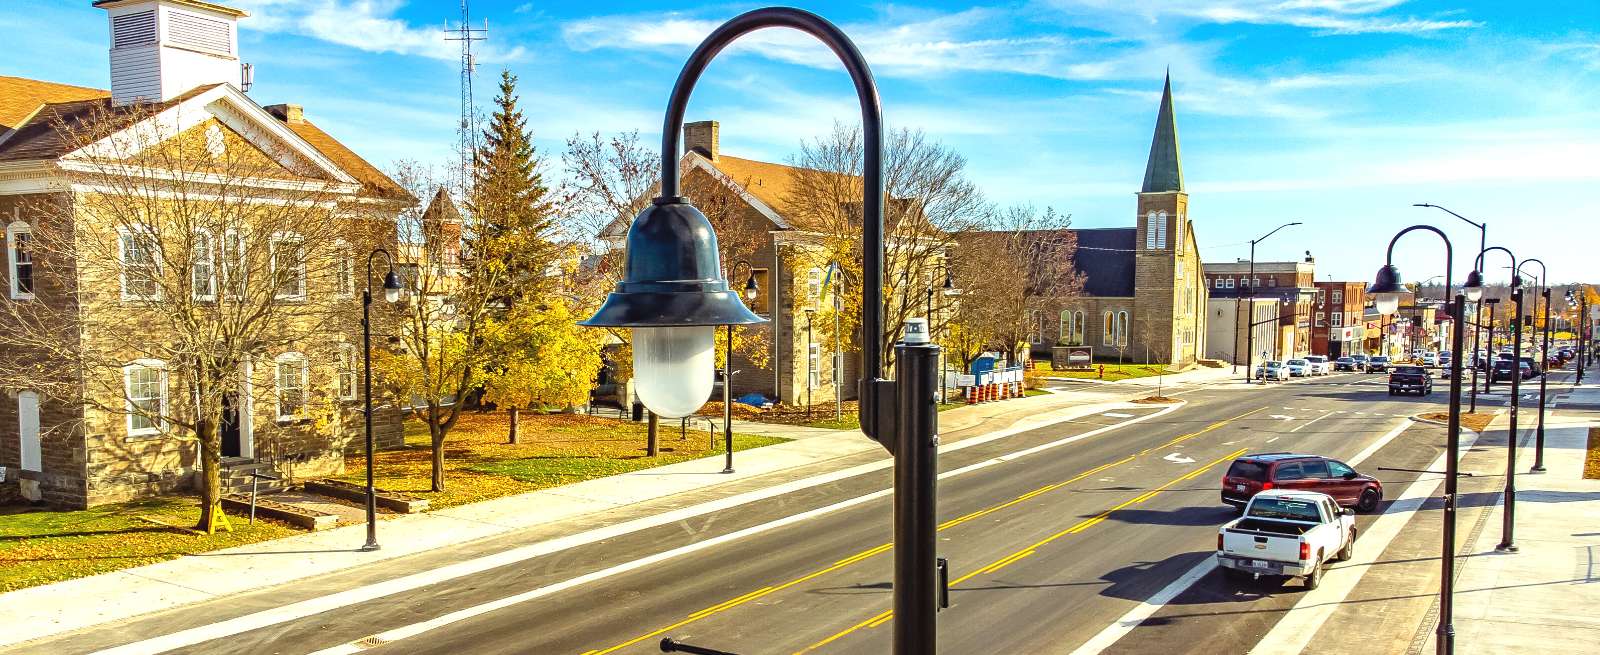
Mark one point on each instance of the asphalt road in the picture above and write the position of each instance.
(1046, 550)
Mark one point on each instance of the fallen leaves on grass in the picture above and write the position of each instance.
(1154, 400)
(1475, 421)
(1591, 463)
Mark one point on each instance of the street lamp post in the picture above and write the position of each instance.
(1477, 330)
(1489, 354)
(1509, 516)
(750, 292)
(1582, 300)
(944, 360)
(672, 295)
(1386, 291)
(1544, 375)
(391, 294)
(1250, 334)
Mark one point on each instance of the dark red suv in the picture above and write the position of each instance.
(1253, 474)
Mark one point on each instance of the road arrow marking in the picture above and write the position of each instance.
(1280, 416)
(1178, 458)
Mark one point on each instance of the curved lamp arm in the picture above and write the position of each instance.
(1274, 231)
(872, 163)
(1477, 265)
(1449, 256)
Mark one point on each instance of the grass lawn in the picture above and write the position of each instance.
(1115, 372)
(555, 449)
(821, 415)
(1591, 463)
(40, 547)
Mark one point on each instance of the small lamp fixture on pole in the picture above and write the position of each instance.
(391, 295)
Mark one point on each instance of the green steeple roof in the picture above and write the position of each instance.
(1164, 171)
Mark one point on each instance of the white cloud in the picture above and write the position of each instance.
(1323, 17)
(369, 25)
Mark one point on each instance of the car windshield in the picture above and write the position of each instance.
(1274, 364)
(1345, 360)
(1248, 470)
(1284, 508)
(1380, 359)
(1317, 358)
(1409, 370)
(1297, 362)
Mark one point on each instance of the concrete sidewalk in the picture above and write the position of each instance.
(1544, 598)
(588, 507)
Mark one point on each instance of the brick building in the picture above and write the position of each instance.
(1336, 328)
(175, 72)
(1143, 296)
(1291, 283)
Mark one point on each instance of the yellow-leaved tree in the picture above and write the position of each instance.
(540, 357)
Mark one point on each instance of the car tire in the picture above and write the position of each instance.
(1349, 549)
(1314, 578)
(1370, 498)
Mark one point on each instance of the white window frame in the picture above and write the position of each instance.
(344, 270)
(1122, 328)
(1230, 282)
(345, 368)
(1161, 229)
(207, 258)
(13, 230)
(1150, 230)
(1337, 319)
(125, 237)
(30, 448)
(159, 422)
(277, 385)
(277, 286)
(1338, 296)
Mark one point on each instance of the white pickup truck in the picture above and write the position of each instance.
(1289, 533)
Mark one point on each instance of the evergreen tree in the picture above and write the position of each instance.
(512, 214)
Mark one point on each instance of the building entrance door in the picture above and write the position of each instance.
(232, 443)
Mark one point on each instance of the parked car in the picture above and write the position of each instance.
(1361, 362)
(1286, 533)
(1298, 368)
(1253, 474)
(1430, 359)
(1410, 379)
(1272, 370)
(1318, 365)
(1503, 370)
(1444, 358)
(1378, 364)
(1344, 364)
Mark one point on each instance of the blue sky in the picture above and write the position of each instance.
(1337, 113)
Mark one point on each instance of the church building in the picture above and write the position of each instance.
(1143, 297)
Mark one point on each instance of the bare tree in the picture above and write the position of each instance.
(1014, 274)
(929, 204)
(170, 260)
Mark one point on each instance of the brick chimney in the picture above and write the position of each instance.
(292, 114)
(701, 137)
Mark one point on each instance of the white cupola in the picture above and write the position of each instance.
(161, 49)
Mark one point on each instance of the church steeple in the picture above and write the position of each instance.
(1164, 171)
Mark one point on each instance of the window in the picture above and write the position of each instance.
(1322, 319)
(1122, 328)
(1150, 230)
(204, 266)
(19, 250)
(28, 430)
(1338, 319)
(288, 266)
(1338, 296)
(146, 387)
(141, 265)
(346, 367)
(1272, 281)
(291, 385)
(233, 265)
(1035, 319)
(1315, 469)
(1340, 469)
(1072, 327)
(1291, 471)
(1161, 229)
(1230, 282)
(1255, 282)
(343, 271)
(1180, 270)
(1108, 329)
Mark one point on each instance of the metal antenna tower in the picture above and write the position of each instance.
(466, 34)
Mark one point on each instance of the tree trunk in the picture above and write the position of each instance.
(436, 435)
(516, 416)
(653, 446)
(210, 482)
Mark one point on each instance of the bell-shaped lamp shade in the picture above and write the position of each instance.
(391, 287)
(674, 368)
(1474, 286)
(1386, 290)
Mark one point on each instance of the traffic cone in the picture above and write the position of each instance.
(971, 397)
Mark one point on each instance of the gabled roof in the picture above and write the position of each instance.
(1105, 257)
(1163, 172)
(33, 133)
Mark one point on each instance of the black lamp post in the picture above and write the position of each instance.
(1477, 330)
(1509, 522)
(750, 292)
(1489, 353)
(944, 361)
(391, 294)
(1544, 354)
(1250, 334)
(1580, 299)
(672, 295)
(1386, 290)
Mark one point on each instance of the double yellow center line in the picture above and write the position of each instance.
(876, 550)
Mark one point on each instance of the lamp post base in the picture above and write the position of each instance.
(1537, 469)
(370, 546)
(728, 471)
(1506, 548)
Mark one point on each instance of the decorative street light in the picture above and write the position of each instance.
(1250, 333)
(1509, 516)
(949, 290)
(391, 295)
(1472, 296)
(750, 292)
(672, 295)
(1544, 355)
(1581, 299)
(1386, 290)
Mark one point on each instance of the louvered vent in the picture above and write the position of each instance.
(198, 32)
(135, 29)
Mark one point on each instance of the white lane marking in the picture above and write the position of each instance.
(1297, 428)
(1273, 439)
(1121, 627)
(1294, 631)
(348, 597)
(1281, 417)
(1117, 415)
(1178, 458)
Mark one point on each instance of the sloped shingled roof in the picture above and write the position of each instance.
(1105, 257)
(33, 107)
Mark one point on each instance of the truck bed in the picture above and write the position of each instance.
(1272, 526)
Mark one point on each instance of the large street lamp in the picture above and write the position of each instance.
(1386, 290)
(1250, 334)
(672, 295)
(1580, 299)
(750, 292)
(391, 294)
(1508, 525)
(1477, 330)
(1543, 283)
